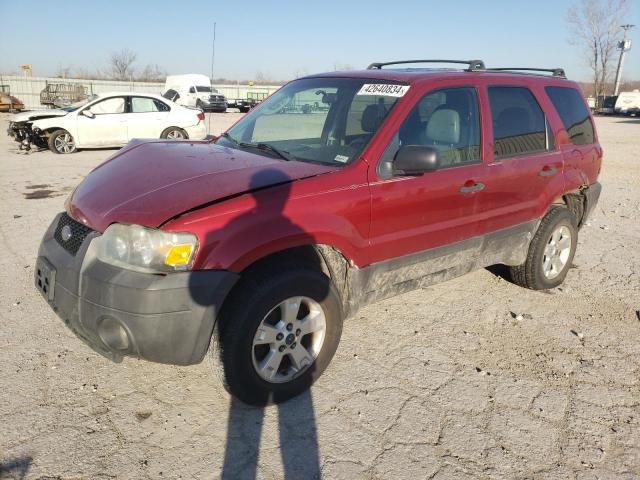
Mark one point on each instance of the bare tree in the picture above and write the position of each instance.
(152, 73)
(594, 26)
(121, 64)
(64, 72)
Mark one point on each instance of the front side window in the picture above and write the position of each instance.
(519, 125)
(323, 120)
(447, 120)
(573, 113)
(108, 106)
(146, 104)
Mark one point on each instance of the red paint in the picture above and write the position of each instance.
(367, 218)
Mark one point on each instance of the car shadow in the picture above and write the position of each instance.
(16, 469)
(501, 271)
(635, 121)
(298, 439)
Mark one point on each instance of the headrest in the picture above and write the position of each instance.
(372, 117)
(444, 126)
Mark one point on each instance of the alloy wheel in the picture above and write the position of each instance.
(288, 339)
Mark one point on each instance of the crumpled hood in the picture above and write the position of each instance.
(35, 114)
(148, 183)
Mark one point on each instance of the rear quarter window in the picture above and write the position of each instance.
(573, 113)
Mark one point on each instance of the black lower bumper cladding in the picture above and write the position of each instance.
(117, 312)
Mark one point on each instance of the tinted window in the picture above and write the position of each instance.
(146, 104)
(171, 95)
(447, 120)
(519, 126)
(573, 112)
(110, 105)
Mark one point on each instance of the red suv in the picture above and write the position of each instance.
(339, 190)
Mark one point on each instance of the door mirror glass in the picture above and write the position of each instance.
(88, 113)
(416, 160)
(192, 90)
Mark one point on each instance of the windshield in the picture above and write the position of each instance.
(81, 103)
(203, 89)
(321, 120)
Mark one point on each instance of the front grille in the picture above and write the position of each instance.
(78, 233)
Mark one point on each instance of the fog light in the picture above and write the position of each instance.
(113, 334)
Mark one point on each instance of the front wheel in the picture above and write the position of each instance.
(61, 142)
(550, 253)
(277, 335)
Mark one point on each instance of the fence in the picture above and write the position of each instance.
(28, 89)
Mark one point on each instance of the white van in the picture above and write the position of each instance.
(628, 103)
(194, 90)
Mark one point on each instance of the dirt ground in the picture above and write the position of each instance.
(474, 378)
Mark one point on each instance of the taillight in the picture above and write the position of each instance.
(200, 116)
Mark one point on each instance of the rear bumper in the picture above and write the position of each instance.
(197, 132)
(117, 312)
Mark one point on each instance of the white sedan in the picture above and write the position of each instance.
(107, 120)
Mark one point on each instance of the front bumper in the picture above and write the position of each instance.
(214, 106)
(161, 318)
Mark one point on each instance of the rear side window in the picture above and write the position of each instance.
(519, 125)
(146, 104)
(573, 112)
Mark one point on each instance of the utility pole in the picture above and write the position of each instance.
(624, 46)
(213, 50)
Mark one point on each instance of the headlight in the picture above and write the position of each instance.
(146, 249)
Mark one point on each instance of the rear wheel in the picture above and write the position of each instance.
(276, 335)
(174, 133)
(550, 253)
(61, 142)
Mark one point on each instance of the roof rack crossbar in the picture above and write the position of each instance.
(474, 65)
(556, 72)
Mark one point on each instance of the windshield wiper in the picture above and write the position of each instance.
(268, 147)
(261, 146)
(229, 137)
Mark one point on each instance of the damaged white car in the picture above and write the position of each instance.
(106, 120)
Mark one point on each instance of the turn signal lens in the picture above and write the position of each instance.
(179, 255)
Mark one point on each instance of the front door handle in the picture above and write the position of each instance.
(471, 187)
(547, 171)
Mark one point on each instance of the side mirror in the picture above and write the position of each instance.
(416, 160)
(88, 113)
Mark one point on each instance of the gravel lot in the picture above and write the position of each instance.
(474, 378)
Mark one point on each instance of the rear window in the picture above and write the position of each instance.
(519, 125)
(573, 113)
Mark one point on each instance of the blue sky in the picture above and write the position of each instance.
(281, 39)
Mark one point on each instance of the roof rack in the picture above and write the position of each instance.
(474, 65)
(555, 72)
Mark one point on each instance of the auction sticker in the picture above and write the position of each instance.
(384, 89)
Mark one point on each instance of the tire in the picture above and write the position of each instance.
(550, 253)
(199, 105)
(255, 301)
(61, 142)
(174, 133)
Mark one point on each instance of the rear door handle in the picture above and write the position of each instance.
(547, 171)
(471, 187)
